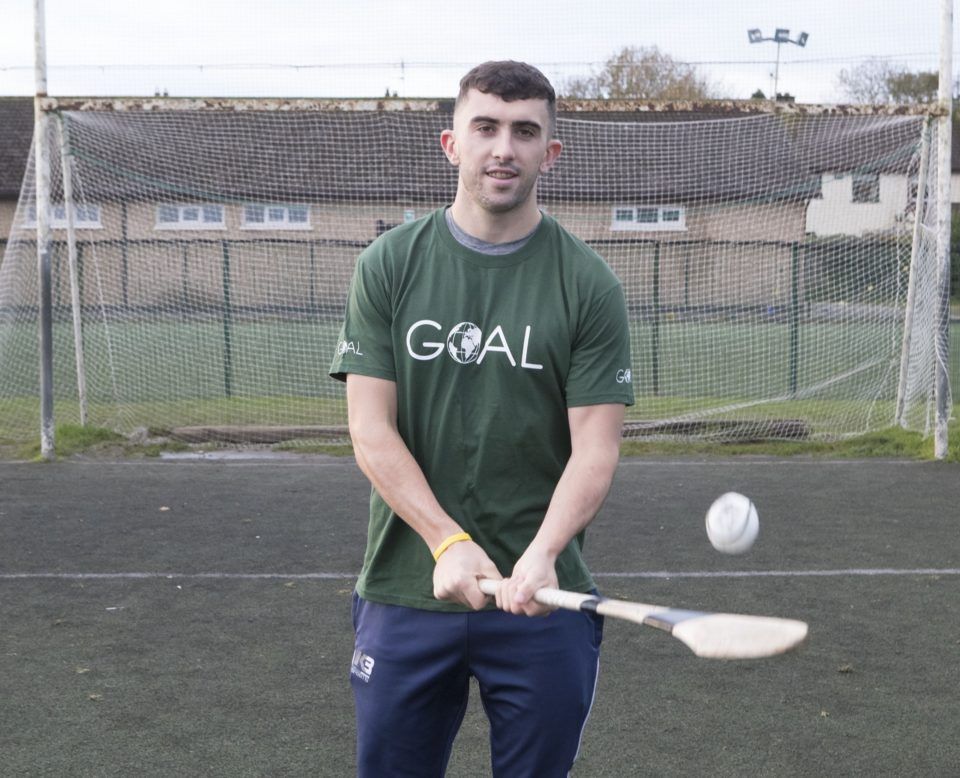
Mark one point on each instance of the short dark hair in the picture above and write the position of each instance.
(510, 80)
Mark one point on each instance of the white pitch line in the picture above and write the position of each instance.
(655, 574)
(766, 461)
(176, 576)
(856, 571)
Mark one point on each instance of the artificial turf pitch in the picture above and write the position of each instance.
(193, 619)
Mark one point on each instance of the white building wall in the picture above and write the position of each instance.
(836, 214)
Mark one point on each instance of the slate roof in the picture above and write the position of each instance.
(316, 157)
(397, 155)
(679, 160)
(880, 144)
(16, 133)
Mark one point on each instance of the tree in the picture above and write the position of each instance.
(781, 97)
(879, 81)
(914, 87)
(640, 73)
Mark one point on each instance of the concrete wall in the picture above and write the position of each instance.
(7, 209)
(725, 254)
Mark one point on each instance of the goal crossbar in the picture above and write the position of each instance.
(566, 106)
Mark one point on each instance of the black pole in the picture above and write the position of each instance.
(313, 278)
(655, 337)
(794, 316)
(184, 280)
(227, 324)
(124, 258)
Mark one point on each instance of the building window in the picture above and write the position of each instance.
(276, 217)
(866, 188)
(85, 217)
(648, 218)
(171, 216)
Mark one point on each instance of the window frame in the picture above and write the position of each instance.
(58, 216)
(284, 224)
(640, 218)
(183, 224)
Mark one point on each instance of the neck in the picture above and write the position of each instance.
(495, 227)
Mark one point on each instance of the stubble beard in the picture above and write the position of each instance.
(494, 203)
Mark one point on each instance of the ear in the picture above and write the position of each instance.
(448, 142)
(554, 147)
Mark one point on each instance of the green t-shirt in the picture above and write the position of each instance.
(487, 352)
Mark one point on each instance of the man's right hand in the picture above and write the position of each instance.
(456, 576)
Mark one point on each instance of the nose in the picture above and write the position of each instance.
(503, 145)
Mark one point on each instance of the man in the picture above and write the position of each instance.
(486, 354)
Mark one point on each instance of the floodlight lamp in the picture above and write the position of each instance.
(782, 35)
(802, 40)
(755, 36)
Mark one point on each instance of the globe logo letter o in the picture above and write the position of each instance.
(463, 342)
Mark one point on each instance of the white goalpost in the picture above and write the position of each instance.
(43, 235)
(945, 139)
(186, 261)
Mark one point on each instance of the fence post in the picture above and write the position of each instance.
(227, 324)
(655, 344)
(794, 316)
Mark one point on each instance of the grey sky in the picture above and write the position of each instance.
(338, 48)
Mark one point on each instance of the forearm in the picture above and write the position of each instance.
(578, 496)
(386, 461)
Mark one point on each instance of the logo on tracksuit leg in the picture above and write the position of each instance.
(362, 666)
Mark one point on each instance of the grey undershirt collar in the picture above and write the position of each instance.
(482, 246)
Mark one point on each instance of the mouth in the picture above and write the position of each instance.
(502, 174)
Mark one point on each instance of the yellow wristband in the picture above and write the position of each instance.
(449, 542)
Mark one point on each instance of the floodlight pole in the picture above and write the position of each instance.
(776, 72)
(44, 273)
(780, 37)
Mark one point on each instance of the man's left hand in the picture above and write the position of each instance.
(534, 570)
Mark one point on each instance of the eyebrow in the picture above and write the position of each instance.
(517, 124)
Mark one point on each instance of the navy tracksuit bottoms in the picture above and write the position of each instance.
(411, 673)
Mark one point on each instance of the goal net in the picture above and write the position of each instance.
(779, 268)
